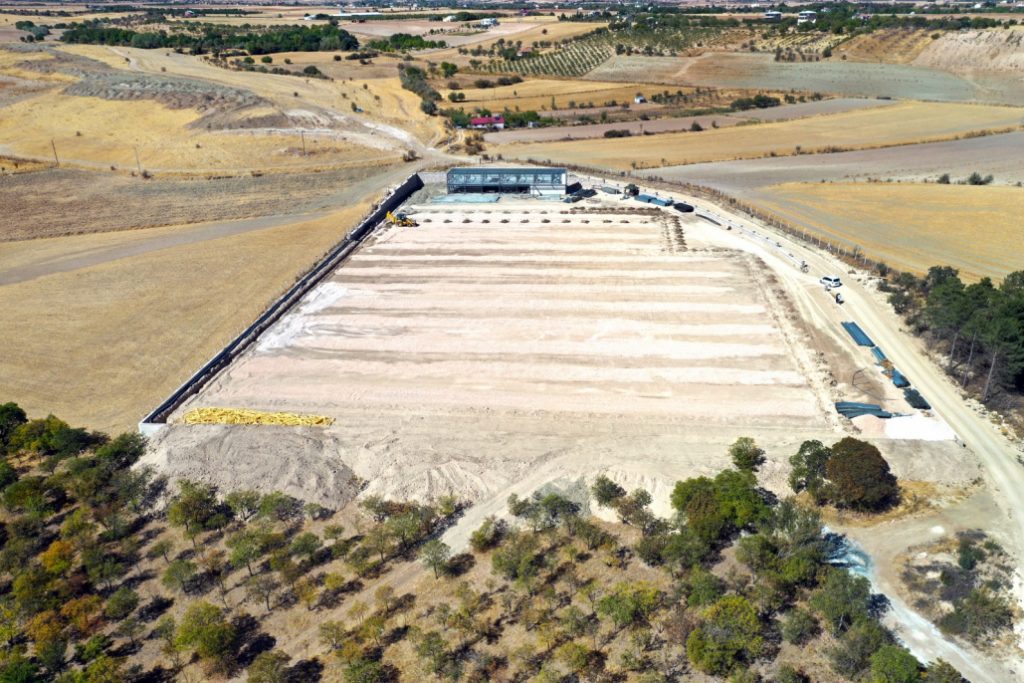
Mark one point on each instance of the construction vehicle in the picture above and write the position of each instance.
(401, 220)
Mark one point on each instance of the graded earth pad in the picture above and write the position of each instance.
(487, 345)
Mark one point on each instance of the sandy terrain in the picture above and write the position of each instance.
(902, 123)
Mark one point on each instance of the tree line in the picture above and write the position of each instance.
(217, 38)
(979, 327)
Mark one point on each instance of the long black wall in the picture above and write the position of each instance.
(285, 302)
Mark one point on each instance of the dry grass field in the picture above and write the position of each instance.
(899, 124)
(527, 30)
(976, 229)
(539, 94)
(102, 345)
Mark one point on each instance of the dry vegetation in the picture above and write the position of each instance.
(914, 226)
(904, 123)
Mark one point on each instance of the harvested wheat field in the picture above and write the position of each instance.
(78, 339)
(467, 353)
(899, 124)
(544, 94)
(913, 227)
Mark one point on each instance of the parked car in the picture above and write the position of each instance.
(683, 207)
(831, 281)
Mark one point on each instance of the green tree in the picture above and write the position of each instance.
(851, 656)
(942, 671)
(244, 503)
(808, 472)
(606, 491)
(799, 627)
(269, 667)
(194, 508)
(729, 635)
(246, 547)
(746, 455)
(860, 476)
(306, 544)
(204, 630)
(842, 599)
(121, 603)
(893, 664)
(448, 69)
(162, 548)
(179, 575)
(435, 555)
(11, 417)
(630, 604)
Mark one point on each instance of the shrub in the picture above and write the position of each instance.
(978, 615)
(799, 627)
(489, 535)
(893, 664)
(617, 133)
(746, 455)
(943, 179)
(729, 635)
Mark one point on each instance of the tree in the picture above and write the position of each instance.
(162, 548)
(121, 603)
(306, 544)
(851, 656)
(435, 555)
(729, 635)
(746, 455)
(575, 656)
(630, 604)
(204, 630)
(942, 671)
(194, 508)
(244, 503)
(179, 575)
(488, 535)
(606, 491)
(246, 547)
(860, 476)
(893, 664)
(269, 667)
(842, 599)
(808, 472)
(58, 557)
(11, 417)
(261, 589)
(448, 69)
(130, 628)
(278, 506)
(363, 670)
(332, 633)
(799, 627)
(384, 595)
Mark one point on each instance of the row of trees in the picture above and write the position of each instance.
(218, 38)
(980, 327)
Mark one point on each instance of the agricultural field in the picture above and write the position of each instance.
(155, 303)
(541, 94)
(913, 226)
(995, 155)
(903, 123)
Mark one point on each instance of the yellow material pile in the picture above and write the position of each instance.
(241, 416)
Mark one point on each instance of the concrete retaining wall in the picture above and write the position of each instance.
(282, 305)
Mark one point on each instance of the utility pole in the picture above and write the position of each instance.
(302, 134)
(138, 164)
(55, 159)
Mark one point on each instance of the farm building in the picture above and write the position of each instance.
(488, 122)
(534, 181)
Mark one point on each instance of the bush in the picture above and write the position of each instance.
(852, 655)
(730, 635)
(977, 616)
(311, 70)
(746, 455)
(943, 179)
(489, 535)
(977, 179)
(893, 664)
(617, 133)
(482, 83)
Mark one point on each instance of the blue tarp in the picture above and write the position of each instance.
(651, 199)
(852, 409)
(899, 379)
(858, 334)
(879, 354)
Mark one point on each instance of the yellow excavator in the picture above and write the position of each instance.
(401, 220)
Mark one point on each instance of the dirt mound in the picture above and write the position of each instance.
(172, 92)
(894, 46)
(302, 462)
(996, 51)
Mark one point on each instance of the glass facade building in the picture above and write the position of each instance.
(544, 181)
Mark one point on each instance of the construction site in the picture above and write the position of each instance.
(483, 344)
